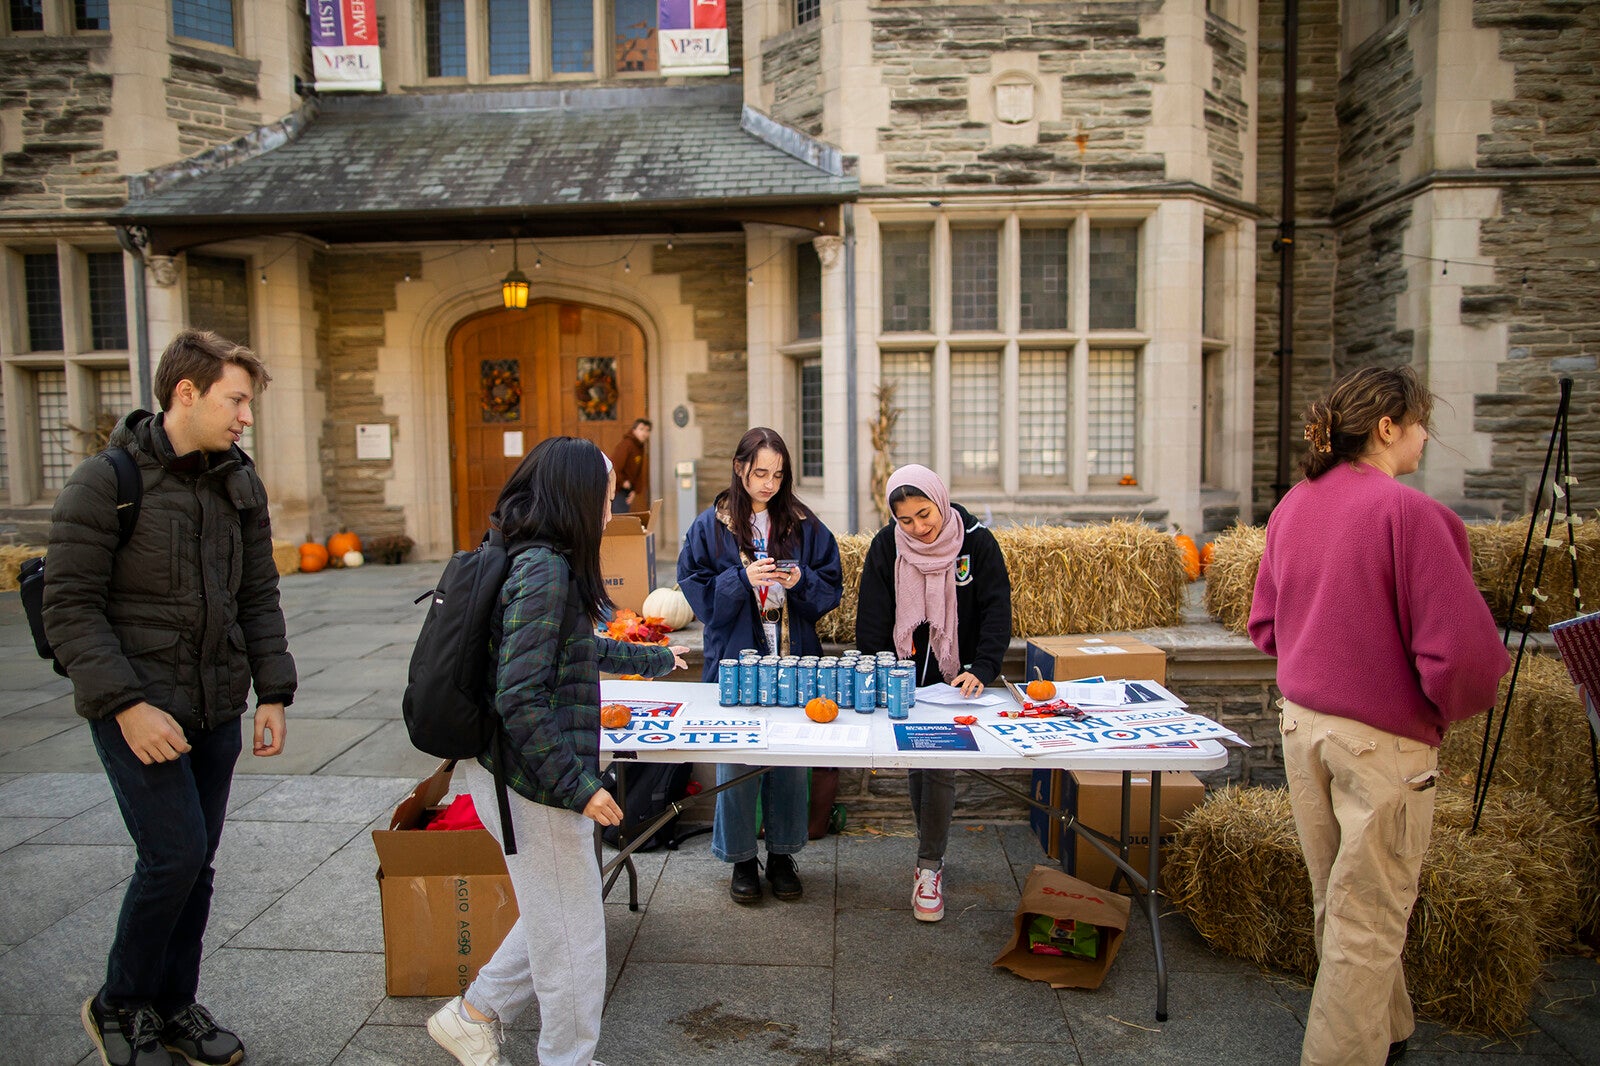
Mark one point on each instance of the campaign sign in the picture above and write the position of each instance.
(649, 708)
(1092, 732)
(344, 45)
(715, 732)
(693, 37)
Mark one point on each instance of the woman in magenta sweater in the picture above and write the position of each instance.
(1365, 596)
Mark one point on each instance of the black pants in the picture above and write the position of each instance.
(173, 811)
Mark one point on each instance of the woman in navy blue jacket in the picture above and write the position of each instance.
(760, 569)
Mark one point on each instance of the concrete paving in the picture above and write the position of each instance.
(295, 946)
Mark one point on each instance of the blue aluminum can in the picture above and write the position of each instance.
(828, 679)
(767, 682)
(808, 682)
(847, 684)
(881, 683)
(788, 682)
(900, 689)
(748, 680)
(866, 687)
(728, 682)
(909, 664)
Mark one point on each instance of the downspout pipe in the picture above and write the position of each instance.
(852, 415)
(1284, 246)
(141, 332)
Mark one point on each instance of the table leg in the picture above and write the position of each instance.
(1152, 896)
(625, 855)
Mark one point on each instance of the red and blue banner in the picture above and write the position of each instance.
(693, 36)
(344, 45)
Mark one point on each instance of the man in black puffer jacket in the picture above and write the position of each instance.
(162, 638)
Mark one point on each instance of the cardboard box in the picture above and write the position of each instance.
(1051, 892)
(446, 896)
(628, 556)
(1096, 796)
(1114, 658)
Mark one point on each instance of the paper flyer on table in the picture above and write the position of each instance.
(933, 736)
(815, 735)
(1106, 730)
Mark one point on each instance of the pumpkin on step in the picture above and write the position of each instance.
(342, 542)
(313, 557)
(671, 606)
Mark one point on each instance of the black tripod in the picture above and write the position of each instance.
(1560, 497)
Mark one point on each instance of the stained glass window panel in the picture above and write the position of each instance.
(1113, 405)
(1044, 277)
(508, 37)
(1114, 276)
(445, 35)
(975, 416)
(811, 418)
(635, 36)
(108, 302)
(906, 281)
(42, 282)
(1042, 409)
(911, 374)
(974, 279)
(571, 36)
(204, 20)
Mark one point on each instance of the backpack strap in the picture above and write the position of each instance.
(130, 491)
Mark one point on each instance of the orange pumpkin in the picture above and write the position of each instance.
(1207, 554)
(822, 709)
(615, 716)
(631, 677)
(343, 541)
(313, 557)
(1190, 554)
(1040, 689)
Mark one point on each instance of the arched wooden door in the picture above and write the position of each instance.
(517, 377)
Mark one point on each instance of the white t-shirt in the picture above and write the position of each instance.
(761, 535)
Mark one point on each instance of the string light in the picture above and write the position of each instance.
(538, 261)
(627, 267)
(749, 277)
(408, 275)
(263, 277)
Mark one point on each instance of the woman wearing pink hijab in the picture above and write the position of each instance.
(934, 589)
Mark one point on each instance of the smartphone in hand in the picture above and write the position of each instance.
(788, 564)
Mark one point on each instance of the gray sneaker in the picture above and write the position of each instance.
(125, 1037)
(196, 1036)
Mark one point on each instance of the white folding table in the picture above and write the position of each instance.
(881, 752)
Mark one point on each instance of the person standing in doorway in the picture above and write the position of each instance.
(631, 460)
(1365, 597)
(163, 638)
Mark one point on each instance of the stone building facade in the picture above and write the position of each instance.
(1048, 226)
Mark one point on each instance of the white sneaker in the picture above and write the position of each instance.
(472, 1043)
(927, 895)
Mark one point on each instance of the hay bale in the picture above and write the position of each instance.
(12, 556)
(839, 624)
(1544, 751)
(1231, 577)
(1235, 868)
(1489, 905)
(1497, 549)
(286, 555)
(1107, 577)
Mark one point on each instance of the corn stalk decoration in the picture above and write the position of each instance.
(883, 450)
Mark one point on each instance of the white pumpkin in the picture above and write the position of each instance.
(670, 605)
(354, 558)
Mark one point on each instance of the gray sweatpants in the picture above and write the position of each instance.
(933, 804)
(556, 877)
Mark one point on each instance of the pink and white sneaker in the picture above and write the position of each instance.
(927, 895)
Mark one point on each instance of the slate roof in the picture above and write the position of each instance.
(497, 154)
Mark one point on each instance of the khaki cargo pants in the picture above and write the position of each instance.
(1363, 807)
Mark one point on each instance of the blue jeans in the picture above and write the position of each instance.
(173, 811)
(785, 810)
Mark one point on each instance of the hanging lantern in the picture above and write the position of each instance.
(514, 286)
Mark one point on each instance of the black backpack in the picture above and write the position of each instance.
(30, 576)
(449, 699)
(649, 788)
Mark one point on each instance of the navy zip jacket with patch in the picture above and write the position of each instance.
(983, 604)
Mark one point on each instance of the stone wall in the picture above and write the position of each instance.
(1092, 55)
(712, 280)
(792, 64)
(62, 163)
(207, 94)
(1379, 97)
(351, 293)
(1316, 151)
(219, 296)
(1545, 246)
(1227, 112)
